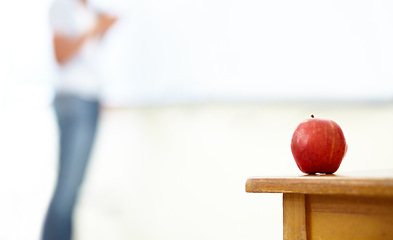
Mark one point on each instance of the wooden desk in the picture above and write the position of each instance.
(350, 206)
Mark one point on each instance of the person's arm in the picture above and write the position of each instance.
(66, 47)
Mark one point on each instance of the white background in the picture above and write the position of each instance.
(177, 172)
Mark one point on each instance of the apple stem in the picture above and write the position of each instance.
(312, 115)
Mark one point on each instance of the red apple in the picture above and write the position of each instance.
(318, 146)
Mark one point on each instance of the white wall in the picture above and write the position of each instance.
(252, 50)
(186, 51)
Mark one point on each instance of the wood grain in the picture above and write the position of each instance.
(324, 184)
(349, 217)
(294, 216)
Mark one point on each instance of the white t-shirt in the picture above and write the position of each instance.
(79, 75)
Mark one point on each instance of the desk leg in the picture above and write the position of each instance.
(294, 216)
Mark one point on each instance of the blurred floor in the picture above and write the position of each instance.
(176, 172)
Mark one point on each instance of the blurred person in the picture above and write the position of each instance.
(77, 30)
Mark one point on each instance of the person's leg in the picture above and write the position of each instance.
(77, 120)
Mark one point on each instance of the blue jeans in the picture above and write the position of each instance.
(77, 120)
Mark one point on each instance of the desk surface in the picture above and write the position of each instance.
(372, 183)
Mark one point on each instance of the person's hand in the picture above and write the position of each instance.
(104, 23)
